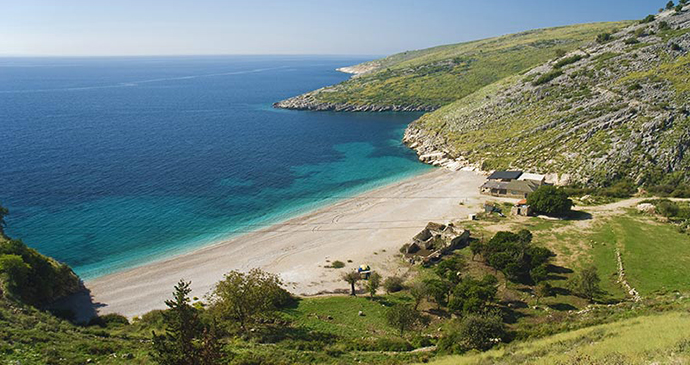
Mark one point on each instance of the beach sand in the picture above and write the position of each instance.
(369, 228)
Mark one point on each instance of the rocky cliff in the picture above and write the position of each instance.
(616, 108)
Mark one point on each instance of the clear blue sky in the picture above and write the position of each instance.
(371, 27)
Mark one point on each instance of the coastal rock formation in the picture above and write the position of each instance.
(611, 110)
(310, 101)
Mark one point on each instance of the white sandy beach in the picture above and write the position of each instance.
(369, 228)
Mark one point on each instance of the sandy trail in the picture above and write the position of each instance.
(368, 228)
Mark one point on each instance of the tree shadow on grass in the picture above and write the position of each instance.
(578, 215)
(78, 307)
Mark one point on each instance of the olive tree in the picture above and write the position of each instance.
(245, 297)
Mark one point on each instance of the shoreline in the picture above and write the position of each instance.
(367, 228)
(272, 219)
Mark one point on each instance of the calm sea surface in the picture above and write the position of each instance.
(108, 163)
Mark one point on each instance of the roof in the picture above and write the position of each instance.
(531, 176)
(526, 186)
(505, 175)
(494, 185)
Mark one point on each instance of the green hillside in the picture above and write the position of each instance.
(657, 339)
(430, 78)
(617, 109)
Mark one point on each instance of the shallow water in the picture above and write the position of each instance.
(108, 163)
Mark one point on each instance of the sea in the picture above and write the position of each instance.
(108, 163)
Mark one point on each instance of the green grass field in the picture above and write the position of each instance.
(662, 338)
(656, 257)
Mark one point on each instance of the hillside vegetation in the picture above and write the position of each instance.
(427, 79)
(616, 109)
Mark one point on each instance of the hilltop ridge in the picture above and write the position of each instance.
(425, 80)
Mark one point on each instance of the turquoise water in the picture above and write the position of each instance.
(110, 163)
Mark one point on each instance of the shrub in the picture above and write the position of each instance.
(648, 19)
(393, 284)
(550, 200)
(631, 40)
(543, 79)
(403, 317)
(472, 295)
(667, 208)
(567, 61)
(621, 189)
(586, 283)
(474, 332)
(670, 5)
(337, 264)
(664, 26)
(108, 320)
(604, 37)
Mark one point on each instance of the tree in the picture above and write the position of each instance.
(670, 5)
(351, 278)
(586, 283)
(472, 295)
(15, 272)
(243, 298)
(402, 317)
(550, 200)
(476, 247)
(373, 283)
(393, 284)
(4, 212)
(438, 290)
(451, 268)
(186, 341)
(474, 332)
(419, 291)
(542, 290)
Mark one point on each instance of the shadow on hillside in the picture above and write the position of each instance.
(557, 272)
(80, 306)
(562, 307)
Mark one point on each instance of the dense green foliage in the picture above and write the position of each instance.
(516, 257)
(550, 200)
(244, 298)
(473, 332)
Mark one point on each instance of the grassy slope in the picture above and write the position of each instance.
(632, 341)
(440, 75)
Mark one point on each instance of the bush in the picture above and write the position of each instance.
(631, 40)
(403, 317)
(550, 200)
(472, 295)
(393, 284)
(648, 19)
(474, 332)
(667, 208)
(621, 189)
(567, 61)
(108, 320)
(664, 26)
(337, 264)
(543, 79)
(604, 37)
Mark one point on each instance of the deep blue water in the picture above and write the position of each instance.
(107, 163)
